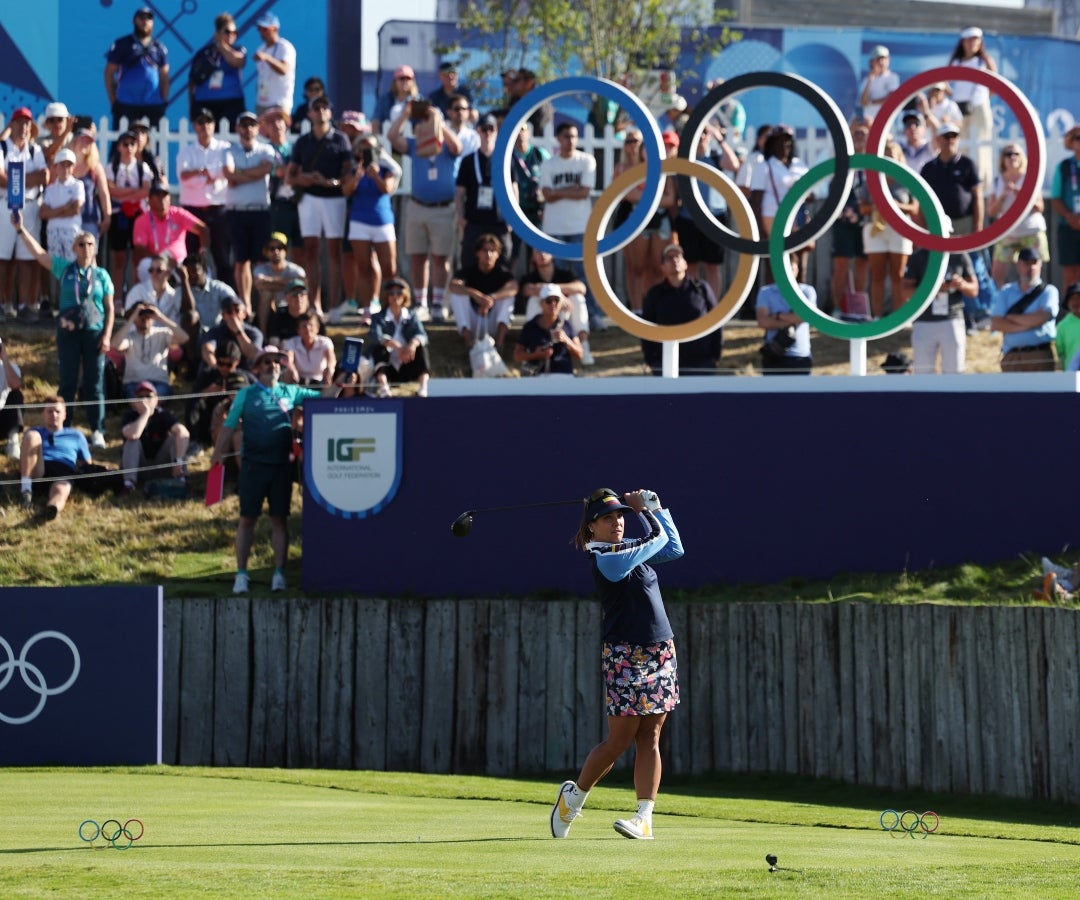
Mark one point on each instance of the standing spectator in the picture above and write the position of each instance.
(402, 92)
(20, 147)
(879, 84)
(430, 226)
(309, 356)
(51, 451)
(247, 200)
(201, 166)
(164, 228)
(773, 179)
(284, 217)
(1067, 340)
(886, 249)
(939, 330)
(97, 210)
(459, 120)
(974, 99)
(137, 73)
(145, 341)
(1065, 201)
(848, 251)
(955, 180)
(313, 89)
(450, 87)
(84, 327)
(265, 473)
(938, 107)
(567, 181)
(143, 151)
(545, 347)
(11, 401)
(61, 206)
(371, 220)
(1030, 231)
(673, 301)
(545, 112)
(482, 294)
(275, 65)
(1025, 311)
(320, 160)
(525, 171)
(398, 341)
(477, 212)
(214, 83)
(129, 183)
(786, 350)
(272, 277)
(917, 149)
(153, 438)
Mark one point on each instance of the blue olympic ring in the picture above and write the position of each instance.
(504, 145)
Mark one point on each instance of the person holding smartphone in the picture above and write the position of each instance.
(939, 331)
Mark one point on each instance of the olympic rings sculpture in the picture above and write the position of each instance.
(113, 836)
(32, 676)
(746, 241)
(896, 823)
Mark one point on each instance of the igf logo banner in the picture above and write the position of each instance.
(353, 455)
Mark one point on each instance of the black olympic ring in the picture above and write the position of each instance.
(909, 821)
(838, 188)
(112, 835)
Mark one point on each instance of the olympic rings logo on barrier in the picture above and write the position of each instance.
(746, 241)
(32, 676)
(909, 821)
(113, 836)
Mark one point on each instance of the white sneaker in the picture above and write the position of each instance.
(562, 813)
(277, 583)
(423, 314)
(336, 316)
(1047, 567)
(14, 446)
(384, 391)
(241, 584)
(637, 828)
(586, 353)
(97, 440)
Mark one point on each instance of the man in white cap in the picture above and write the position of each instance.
(275, 65)
(20, 147)
(955, 179)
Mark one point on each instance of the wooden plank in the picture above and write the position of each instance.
(1037, 708)
(755, 679)
(172, 641)
(738, 668)
(867, 672)
(440, 686)
(405, 652)
(472, 653)
(770, 701)
(337, 684)
(504, 625)
(700, 671)
(1013, 736)
(896, 674)
(968, 651)
(826, 693)
(196, 738)
(302, 705)
(720, 674)
(806, 665)
(1062, 677)
(987, 728)
(232, 680)
(370, 686)
(845, 655)
(788, 686)
(679, 723)
(913, 651)
(590, 716)
(560, 663)
(269, 690)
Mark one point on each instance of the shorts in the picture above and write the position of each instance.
(1008, 248)
(375, 234)
(887, 241)
(640, 681)
(696, 247)
(430, 229)
(265, 481)
(249, 230)
(285, 218)
(1068, 245)
(322, 216)
(54, 469)
(120, 231)
(10, 243)
(847, 241)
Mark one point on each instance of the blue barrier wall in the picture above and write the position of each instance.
(764, 485)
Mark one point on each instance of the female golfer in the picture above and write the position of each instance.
(639, 653)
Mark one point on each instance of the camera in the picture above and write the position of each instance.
(418, 110)
(367, 156)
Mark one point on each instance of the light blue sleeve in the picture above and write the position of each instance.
(616, 561)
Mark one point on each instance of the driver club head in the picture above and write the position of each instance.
(770, 858)
(462, 525)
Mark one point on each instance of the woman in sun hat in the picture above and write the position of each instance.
(638, 662)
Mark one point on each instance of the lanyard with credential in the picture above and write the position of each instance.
(281, 401)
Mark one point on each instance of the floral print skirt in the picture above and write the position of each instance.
(641, 681)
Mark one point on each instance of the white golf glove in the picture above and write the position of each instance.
(652, 502)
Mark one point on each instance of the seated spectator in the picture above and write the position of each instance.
(398, 341)
(786, 350)
(152, 438)
(157, 292)
(232, 327)
(51, 451)
(482, 293)
(543, 271)
(214, 389)
(285, 321)
(1067, 340)
(673, 301)
(350, 384)
(207, 294)
(272, 277)
(939, 329)
(11, 400)
(145, 340)
(544, 346)
(61, 206)
(310, 356)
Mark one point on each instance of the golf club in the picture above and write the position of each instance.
(462, 525)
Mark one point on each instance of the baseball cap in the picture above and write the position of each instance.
(145, 387)
(144, 11)
(488, 121)
(229, 301)
(678, 101)
(23, 112)
(142, 122)
(84, 132)
(939, 86)
(1028, 255)
(669, 248)
(971, 32)
(322, 100)
(356, 119)
(913, 114)
(64, 155)
(947, 128)
(247, 116)
(56, 110)
(268, 20)
(296, 286)
(879, 51)
(203, 115)
(550, 290)
(448, 66)
(404, 72)
(1072, 290)
(670, 139)
(602, 502)
(159, 187)
(277, 237)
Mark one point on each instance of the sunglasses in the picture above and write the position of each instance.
(486, 128)
(1011, 153)
(276, 248)
(551, 300)
(395, 289)
(145, 16)
(228, 31)
(84, 243)
(632, 140)
(224, 363)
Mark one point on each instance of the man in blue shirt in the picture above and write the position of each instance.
(51, 452)
(1025, 312)
(137, 73)
(264, 409)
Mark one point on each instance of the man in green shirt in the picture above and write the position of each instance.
(1068, 330)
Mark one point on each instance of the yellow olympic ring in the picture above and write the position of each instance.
(726, 306)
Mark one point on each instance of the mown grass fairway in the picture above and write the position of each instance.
(245, 833)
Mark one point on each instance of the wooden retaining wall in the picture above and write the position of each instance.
(945, 698)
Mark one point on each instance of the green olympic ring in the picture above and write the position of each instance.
(935, 264)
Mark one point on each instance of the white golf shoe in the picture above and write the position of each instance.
(638, 828)
(564, 812)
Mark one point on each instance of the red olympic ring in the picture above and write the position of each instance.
(1033, 137)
